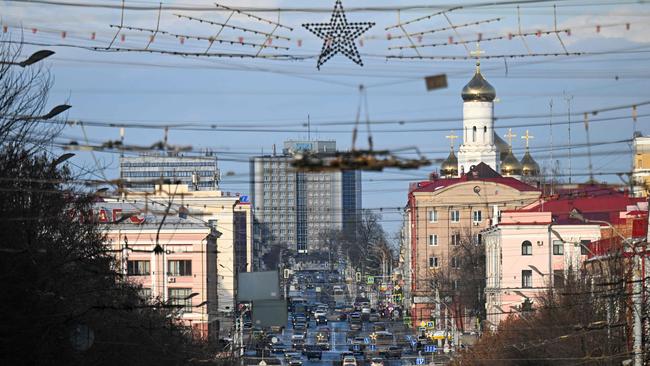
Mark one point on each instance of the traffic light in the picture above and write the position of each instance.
(358, 276)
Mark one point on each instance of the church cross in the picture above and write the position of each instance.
(527, 137)
(477, 54)
(510, 136)
(451, 138)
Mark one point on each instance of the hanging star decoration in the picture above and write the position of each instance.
(338, 36)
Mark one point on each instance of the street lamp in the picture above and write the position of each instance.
(62, 159)
(34, 58)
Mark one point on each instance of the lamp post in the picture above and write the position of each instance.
(637, 287)
(34, 58)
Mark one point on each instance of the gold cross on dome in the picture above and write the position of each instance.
(477, 54)
(527, 137)
(510, 136)
(451, 138)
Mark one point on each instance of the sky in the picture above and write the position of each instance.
(243, 106)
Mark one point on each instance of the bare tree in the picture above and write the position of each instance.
(23, 98)
(460, 282)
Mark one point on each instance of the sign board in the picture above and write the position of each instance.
(371, 280)
(423, 300)
(430, 348)
(419, 361)
(430, 324)
(366, 340)
(269, 313)
(252, 286)
(372, 347)
(436, 82)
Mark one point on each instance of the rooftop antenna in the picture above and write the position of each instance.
(550, 127)
(568, 99)
(308, 128)
(591, 173)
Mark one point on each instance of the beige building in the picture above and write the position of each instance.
(445, 215)
(230, 214)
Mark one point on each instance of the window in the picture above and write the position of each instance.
(558, 247)
(584, 247)
(526, 278)
(455, 216)
(474, 134)
(433, 216)
(433, 239)
(478, 238)
(137, 268)
(455, 284)
(180, 268)
(145, 293)
(433, 262)
(181, 297)
(558, 278)
(455, 239)
(455, 262)
(526, 248)
(478, 216)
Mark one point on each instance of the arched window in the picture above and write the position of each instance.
(474, 134)
(526, 248)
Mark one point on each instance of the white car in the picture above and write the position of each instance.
(319, 313)
(349, 361)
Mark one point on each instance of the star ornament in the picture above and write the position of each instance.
(338, 36)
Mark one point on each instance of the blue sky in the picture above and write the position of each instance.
(279, 94)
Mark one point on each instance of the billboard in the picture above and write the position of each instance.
(254, 286)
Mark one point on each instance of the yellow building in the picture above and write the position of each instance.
(641, 172)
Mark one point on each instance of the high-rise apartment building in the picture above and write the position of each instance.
(294, 208)
(145, 171)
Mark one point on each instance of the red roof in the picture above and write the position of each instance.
(602, 204)
(481, 173)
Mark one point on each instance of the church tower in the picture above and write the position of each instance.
(478, 124)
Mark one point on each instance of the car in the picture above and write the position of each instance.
(295, 363)
(374, 317)
(392, 352)
(345, 354)
(279, 347)
(313, 352)
(291, 355)
(349, 361)
(321, 320)
(298, 341)
(300, 326)
(376, 361)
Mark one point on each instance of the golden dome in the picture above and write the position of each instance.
(478, 89)
(529, 166)
(449, 167)
(510, 165)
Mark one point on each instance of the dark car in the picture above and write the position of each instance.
(313, 352)
(392, 352)
(321, 320)
(279, 347)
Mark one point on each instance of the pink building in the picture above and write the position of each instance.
(174, 263)
(534, 248)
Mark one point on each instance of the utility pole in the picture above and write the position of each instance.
(637, 299)
(568, 99)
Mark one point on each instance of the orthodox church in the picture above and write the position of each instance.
(480, 141)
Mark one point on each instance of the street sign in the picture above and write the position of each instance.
(372, 347)
(430, 348)
(419, 361)
(366, 340)
(371, 280)
(430, 324)
(355, 347)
